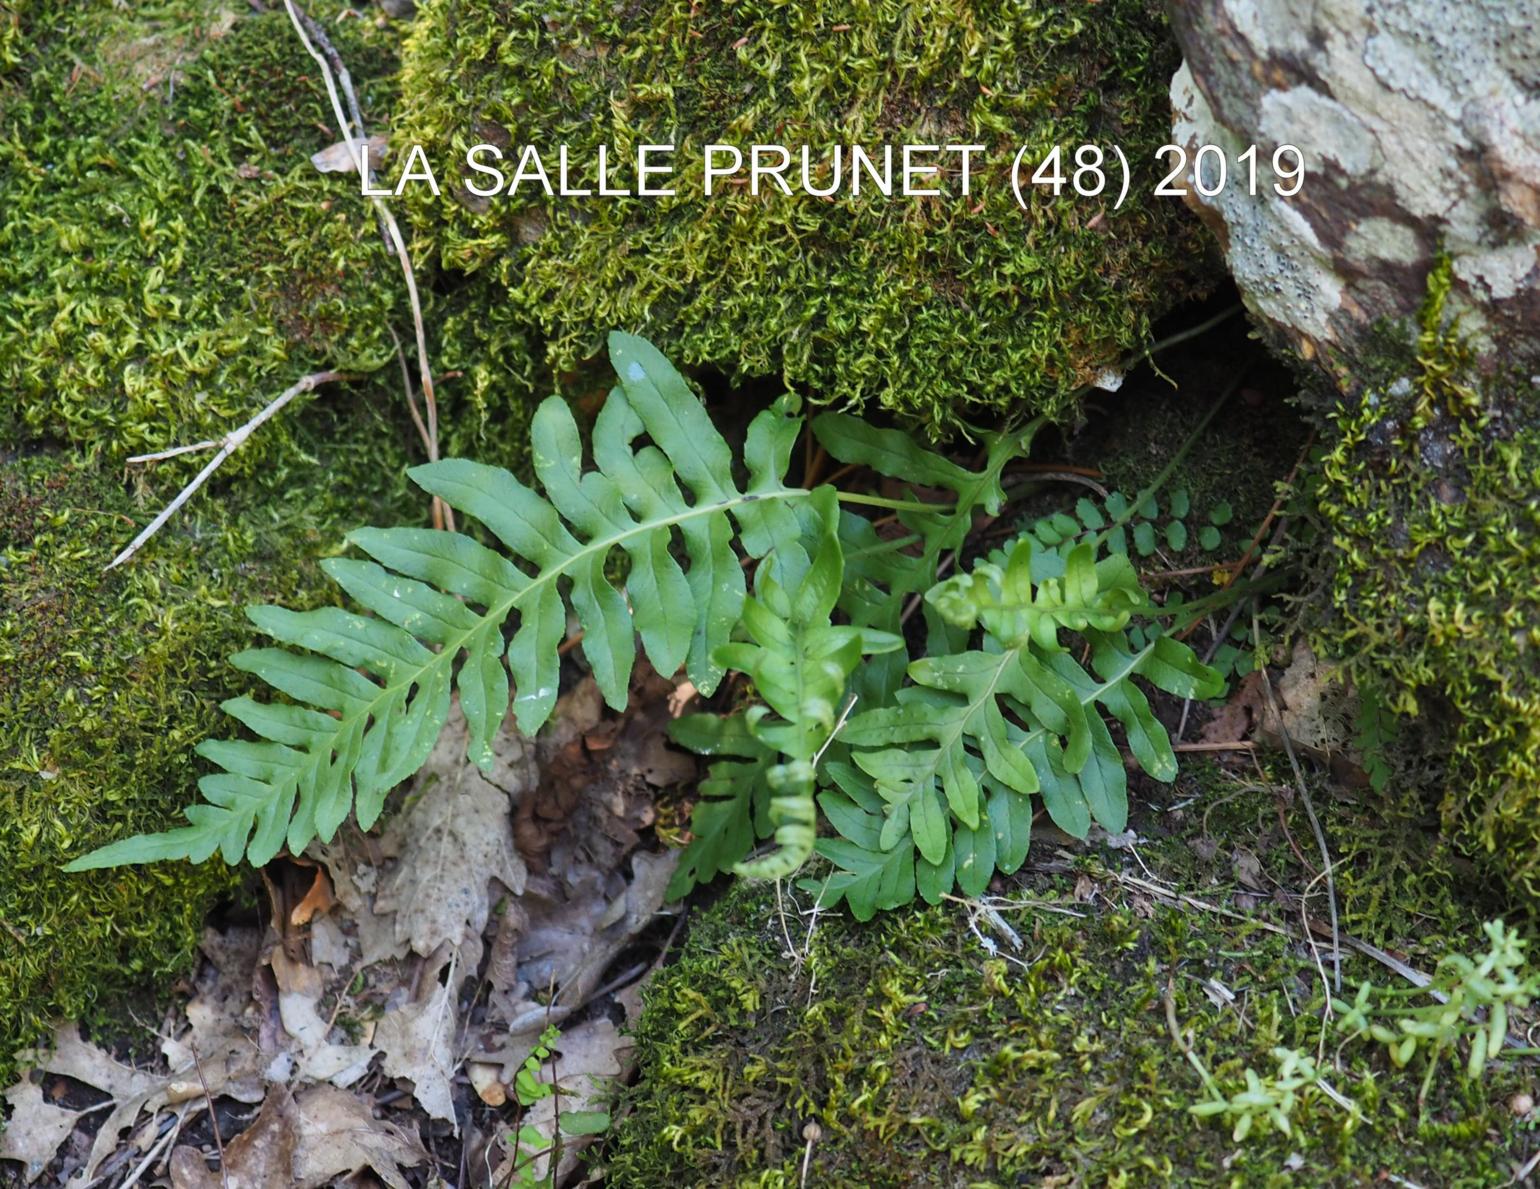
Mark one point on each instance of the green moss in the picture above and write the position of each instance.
(923, 1058)
(935, 308)
(1431, 494)
(109, 680)
(170, 260)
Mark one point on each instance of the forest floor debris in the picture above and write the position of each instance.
(377, 1014)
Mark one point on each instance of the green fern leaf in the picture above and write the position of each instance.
(734, 799)
(955, 760)
(370, 693)
(800, 664)
(894, 454)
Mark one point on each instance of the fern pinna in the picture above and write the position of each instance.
(924, 767)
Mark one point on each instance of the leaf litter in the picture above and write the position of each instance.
(373, 1023)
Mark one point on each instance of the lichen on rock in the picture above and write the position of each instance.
(936, 308)
(1420, 136)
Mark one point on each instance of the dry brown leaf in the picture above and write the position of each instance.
(131, 1090)
(35, 1129)
(662, 766)
(355, 880)
(222, 1033)
(339, 1136)
(1318, 709)
(418, 1042)
(338, 158)
(1247, 868)
(318, 900)
(679, 701)
(486, 1079)
(261, 1157)
(300, 988)
(189, 1169)
(331, 946)
(568, 943)
(454, 838)
(1234, 721)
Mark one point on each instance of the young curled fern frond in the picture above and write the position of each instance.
(370, 694)
(800, 663)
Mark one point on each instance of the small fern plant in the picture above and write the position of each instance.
(925, 765)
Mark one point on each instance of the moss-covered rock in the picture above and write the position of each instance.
(937, 308)
(170, 260)
(906, 1052)
(1431, 493)
(109, 680)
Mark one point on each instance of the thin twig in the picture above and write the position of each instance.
(154, 1153)
(174, 451)
(838, 726)
(1184, 1043)
(406, 386)
(311, 34)
(1315, 954)
(1304, 793)
(219, 1143)
(232, 442)
(1069, 476)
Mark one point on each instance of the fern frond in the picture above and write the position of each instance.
(370, 694)
(799, 663)
(733, 808)
(895, 455)
(952, 763)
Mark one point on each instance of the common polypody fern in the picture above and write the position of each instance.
(371, 694)
(929, 782)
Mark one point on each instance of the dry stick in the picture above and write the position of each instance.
(1315, 822)
(329, 61)
(154, 1153)
(406, 386)
(231, 442)
(219, 1143)
(1315, 955)
(174, 451)
(1068, 476)
(1523, 1174)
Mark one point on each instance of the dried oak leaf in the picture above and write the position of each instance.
(418, 1042)
(131, 1090)
(453, 839)
(339, 1136)
(300, 988)
(259, 1157)
(35, 1129)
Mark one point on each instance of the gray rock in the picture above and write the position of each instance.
(1419, 123)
